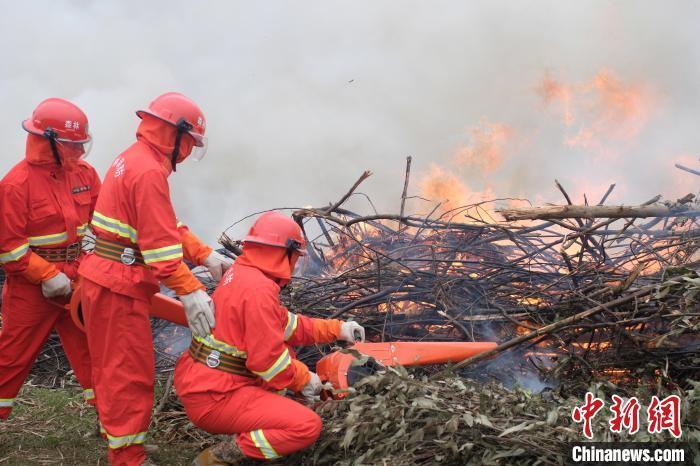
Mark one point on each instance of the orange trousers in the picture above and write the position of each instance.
(27, 321)
(121, 347)
(268, 425)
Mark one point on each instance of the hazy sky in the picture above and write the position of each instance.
(301, 97)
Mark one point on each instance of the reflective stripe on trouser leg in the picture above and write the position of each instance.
(125, 440)
(120, 341)
(27, 320)
(89, 394)
(7, 402)
(263, 445)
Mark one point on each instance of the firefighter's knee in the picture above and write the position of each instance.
(310, 429)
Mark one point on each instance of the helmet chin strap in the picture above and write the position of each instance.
(51, 134)
(182, 127)
(292, 245)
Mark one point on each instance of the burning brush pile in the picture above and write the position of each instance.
(572, 293)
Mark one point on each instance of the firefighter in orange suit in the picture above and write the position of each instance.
(228, 381)
(46, 202)
(139, 243)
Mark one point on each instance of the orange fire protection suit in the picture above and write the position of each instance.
(134, 209)
(42, 206)
(252, 324)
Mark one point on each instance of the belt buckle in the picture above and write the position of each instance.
(72, 252)
(213, 360)
(128, 257)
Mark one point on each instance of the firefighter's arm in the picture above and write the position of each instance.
(200, 254)
(193, 248)
(268, 354)
(158, 236)
(15, 255)
(302, 330)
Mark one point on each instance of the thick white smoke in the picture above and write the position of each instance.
(301, 97)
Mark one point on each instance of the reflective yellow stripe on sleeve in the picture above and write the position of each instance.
(291, 325)
(46, 240)
(263, 445)
(162, 254)
(15, 254)
(281, 364)
(114, 226)
(56, 238)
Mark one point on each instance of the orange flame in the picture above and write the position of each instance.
(443, 186)
(555, 93)
(609, 112)
(487, 148)
(484, 154)
(603, 115)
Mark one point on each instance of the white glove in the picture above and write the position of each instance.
(56, 286)
(217, 264)
(199, 309)
(348, 331)
(313, 388)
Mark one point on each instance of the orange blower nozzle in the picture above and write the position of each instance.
(338, 368)
(162, 307)
(405, 353)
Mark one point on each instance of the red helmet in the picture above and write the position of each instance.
(66, 119)
(63, 123)
(181, 112)
(276, 229)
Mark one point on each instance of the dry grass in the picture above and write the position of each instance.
(56, 427)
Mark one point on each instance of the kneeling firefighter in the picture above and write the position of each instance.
(46, 202)
(139, 243)
(229, 380)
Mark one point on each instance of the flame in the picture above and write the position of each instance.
(595, 346)
(531, 301)
(559, 95)
(605, 113)
(403, 307)
(444, 186)
(603, 116)
(484, 153)
(487, 147)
